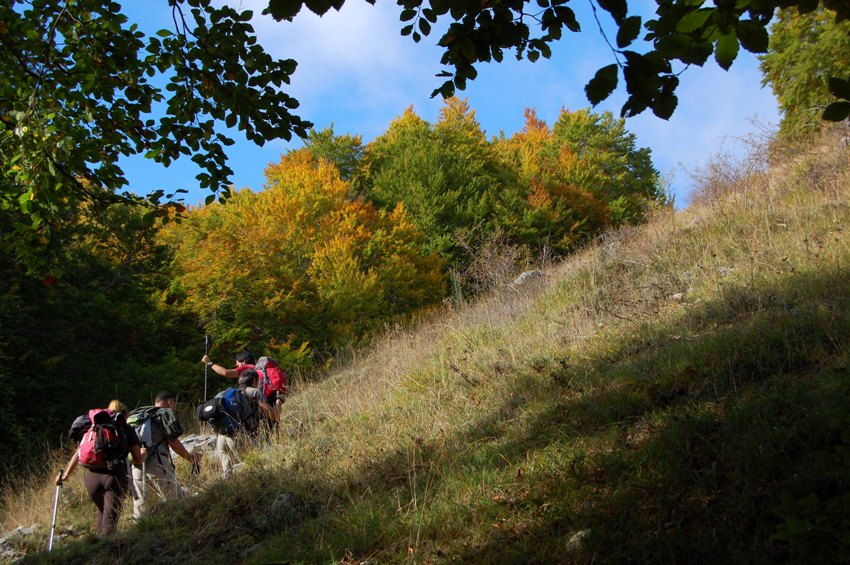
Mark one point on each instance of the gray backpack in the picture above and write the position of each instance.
(145, 418)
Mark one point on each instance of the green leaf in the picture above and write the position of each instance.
(753, 36)
(665, 105)
(617, 8)
(568, 18)
(726, 50)
(629, 30)
(284, 9)
(694, 20)
(319, 7)
(467, 49)
(837, 111)
(840, 87)
(602, 84)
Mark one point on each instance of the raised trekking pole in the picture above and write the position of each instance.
(55, 506)
(206, 368)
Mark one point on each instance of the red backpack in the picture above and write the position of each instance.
(104, 443)
(272, 377)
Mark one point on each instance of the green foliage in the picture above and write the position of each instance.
(102, 330)
(580, 177)
(345, 152)
(620, 170)
(79, 87)
(806, 50)
(446, 175)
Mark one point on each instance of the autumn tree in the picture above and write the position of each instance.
(806, 50)
(446, 175)
(583, 175)
(301, 264)
(598, 154)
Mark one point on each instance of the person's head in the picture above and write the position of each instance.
(244, 357)
(249, 377)
(164, 400)
(118, 406)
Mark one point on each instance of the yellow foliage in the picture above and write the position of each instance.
(303, 258)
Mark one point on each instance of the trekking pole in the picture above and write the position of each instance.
(206, 368)
(144, 478)
(53, 522)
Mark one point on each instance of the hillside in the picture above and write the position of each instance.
(677, 392)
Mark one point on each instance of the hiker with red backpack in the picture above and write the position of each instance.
(159, 432)
(272, 379)
(105, 439)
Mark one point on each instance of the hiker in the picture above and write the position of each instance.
(244, 360)
(274, 391)
(106, 479)
(248, 421)
(156, 472)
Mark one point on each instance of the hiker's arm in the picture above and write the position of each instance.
(181, 450)
(138, 457)
(218, 369)
(72, 464)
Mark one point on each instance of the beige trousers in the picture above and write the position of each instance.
(158, 480)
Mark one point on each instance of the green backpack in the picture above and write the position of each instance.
(145, 418)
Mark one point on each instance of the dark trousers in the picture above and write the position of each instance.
(107, 491)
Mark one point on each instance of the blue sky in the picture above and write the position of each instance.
(357, 72)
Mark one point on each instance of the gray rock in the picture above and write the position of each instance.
(577, 540)
(9, 553)
(192, 442)
(528, 277)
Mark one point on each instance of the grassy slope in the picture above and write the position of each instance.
(707, 427)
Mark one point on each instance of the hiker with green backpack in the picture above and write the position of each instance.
(159, 431)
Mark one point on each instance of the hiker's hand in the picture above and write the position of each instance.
(196, 468)
(205, 359)
(59, 480)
